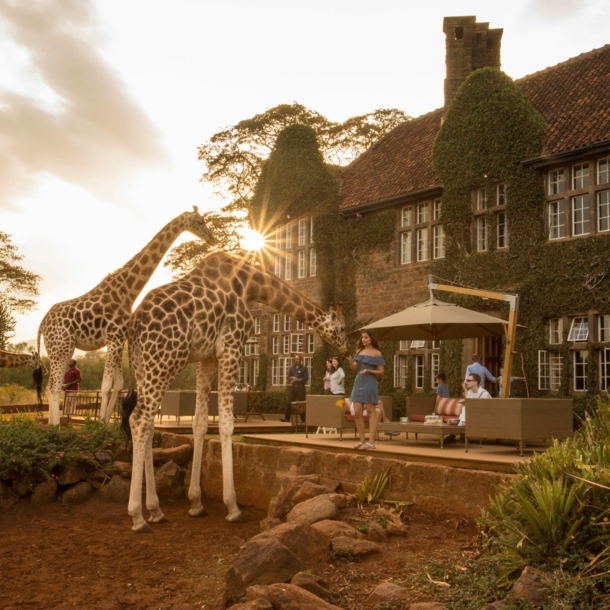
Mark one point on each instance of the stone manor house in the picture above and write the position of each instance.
(397, 174)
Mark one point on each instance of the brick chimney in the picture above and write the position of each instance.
(469, 46)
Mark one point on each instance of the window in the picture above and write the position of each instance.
(257, 326)
(435, 360)
(403, 346)
(580, 215)
(302, 240)
(276, 322)
(418, 344)
(439, 241)
(549, 370)
(406, 217)
(481, 234)
(580, 370)
(579, 331)
(419, 371)
(501, 194)
(603, 328)
(286, 344)
(580, 176)
(308, 364)
(288, 237)
(603, 174)
(604, 369)
(481, 199)
(286, 323)
(401, 367)
(422, 213)
(288, 268)
(300, 325)
(502, 230)
(557, 219)
(311, 230)
(603, 211)
(276, 345)
(302, 263)
(279, 368)
(251, 349)
(405, 248)
(278, 238)
(278, 266)
(313, 262)
(555, 331)
(422, 245)
(557, 182)
(297, 343)
(436, 345)
(255, 369)
(242, 375)
(311, 344)
(436, 214)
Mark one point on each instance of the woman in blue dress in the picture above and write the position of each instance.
(370, 365)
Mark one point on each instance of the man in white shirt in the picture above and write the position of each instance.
(472, 390)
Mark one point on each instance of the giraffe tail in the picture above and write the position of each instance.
(127, 407)
(37, 376)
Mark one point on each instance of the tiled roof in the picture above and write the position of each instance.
(573, 97)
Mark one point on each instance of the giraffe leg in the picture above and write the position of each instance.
(205, 374)
(112, 366)
(227, 373)
(142, 429)
(60, 349)
(152, 499)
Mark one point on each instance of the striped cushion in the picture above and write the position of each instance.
(448, 406)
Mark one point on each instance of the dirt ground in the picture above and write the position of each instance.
(86, 557)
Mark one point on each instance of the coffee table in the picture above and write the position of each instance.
(421, 428)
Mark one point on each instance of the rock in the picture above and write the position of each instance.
(339, 500)
(117, 490)
(103, 458)
(289, 597)
(121, 454)
(123, 468)
(257, 604)
(531, 586)
(316, 509)
(356, 548)
(98, 478)
(263, 562)
(8, 499)
(309, 545)
(77, 494)
(312, 583)
(332, 484)
(388, 592)
(307, 491)
(282, 500)
(334, 529)
(70, 473)
(169, 479)
(179, 455)
(395, 526)
(45, 492)
(22, 487)
(376, 533)
(427, 606)
(269, 523)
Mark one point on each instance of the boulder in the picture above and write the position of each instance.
(98, 478)
(8, 475)
(179, 455)
(22, 487)
(532, 586)
(169, 479)
(312, 583)
(77, 494)
(263, 561)
(332, 484)
(388, 592)
(376, 533)
(70, 473)
(334, 529)
(103, 458)
(356, 548)
(395, 525)
(269, 523)
(284, 491)
(123, 469)
(427, 606)
(121, 454)
(339, 500)
(45, 492)
(117, 490)
(257, 604)
(8, 499)
(289, 597)
(307, 491)
(316, 509)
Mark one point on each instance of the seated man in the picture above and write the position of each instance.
(472, 389)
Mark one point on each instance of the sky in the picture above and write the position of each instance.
(103, 103)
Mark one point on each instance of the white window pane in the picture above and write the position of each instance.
(580, 215)
(437, 209)
(302, 263)
(604, 370)
(603, 211)
(418, 344)
(419, 372)
(557, 221)
(502, 230)
(422, 213)
(580, 370)
(313, 262)
(557, 184)
(422, 244)
(603, 328)
(555, 331)
(288, 242)
(406, 217)
(405, 248)
(579, 330)
(481, 199)
(435, 360)
(276, 322)
(288, 267)
(439, 242)
(603, 175)
(580, 176)
(501, 194)
(481, 234)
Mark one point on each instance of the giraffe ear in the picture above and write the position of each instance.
(195, 209)
(340, 310)
(332, 307)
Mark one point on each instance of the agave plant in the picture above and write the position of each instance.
(370, 489)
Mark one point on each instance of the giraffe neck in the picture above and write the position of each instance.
(12, 360)
(134, 274)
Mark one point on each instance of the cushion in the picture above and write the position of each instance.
(448, 407)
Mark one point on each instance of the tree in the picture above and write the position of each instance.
(18, 287)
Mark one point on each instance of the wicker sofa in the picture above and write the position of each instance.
(322, 411)
(420, 406)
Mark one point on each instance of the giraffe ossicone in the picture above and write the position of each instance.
(99, 317)
(203, 318)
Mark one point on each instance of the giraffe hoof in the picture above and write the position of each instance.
(198, 512)
(161, 519)
(142, 529)
(238, 518)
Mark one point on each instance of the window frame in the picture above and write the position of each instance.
(599, 204)
(584, 210)
(558, 186)
(560, 215)
(302, 264)
(406, 251)
(302, 232)
(603, 328)
(420, 371)
(556, 327)
(288, 267)
(438, 241)
(406, 216)
(579, 370)
(313, 262)
(577, 334)
(584, 179)
(552, 365)
(422, 257)
(481, 221)
(276, 322)
(604, 369)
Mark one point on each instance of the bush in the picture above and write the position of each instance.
(14, 394)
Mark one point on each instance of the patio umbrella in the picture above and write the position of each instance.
(435, 320)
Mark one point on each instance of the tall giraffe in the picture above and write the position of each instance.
(203, 318)
(99, 317)
(13, 360)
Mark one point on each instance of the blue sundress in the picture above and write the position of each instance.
(365, 386)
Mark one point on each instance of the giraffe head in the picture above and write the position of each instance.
(332, 329)
(195, 223)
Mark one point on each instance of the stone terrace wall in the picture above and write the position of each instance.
(433, 488)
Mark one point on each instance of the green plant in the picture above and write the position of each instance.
(363, 527)
(383, 522)
(370, 489)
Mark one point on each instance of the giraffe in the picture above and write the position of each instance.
(203, 318)
(99, 317)
(14, 360)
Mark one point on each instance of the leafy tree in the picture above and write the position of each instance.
(18, 287)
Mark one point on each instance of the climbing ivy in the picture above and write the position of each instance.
(489, 129)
